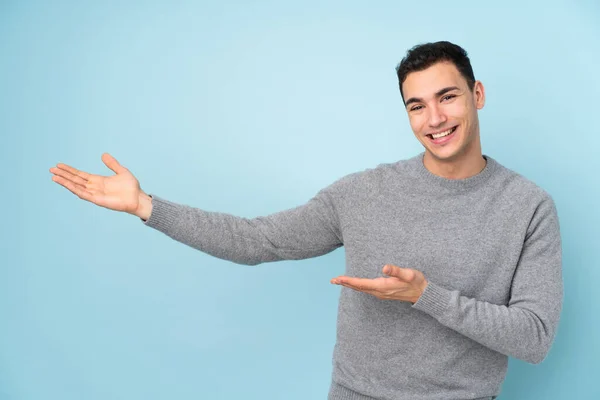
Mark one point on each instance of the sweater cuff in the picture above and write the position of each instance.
(434, 300)
(163, 215)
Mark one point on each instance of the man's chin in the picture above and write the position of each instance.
(442, 155)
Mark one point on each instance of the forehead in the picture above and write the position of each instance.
(423, 84)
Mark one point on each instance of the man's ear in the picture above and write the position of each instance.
(479, 95)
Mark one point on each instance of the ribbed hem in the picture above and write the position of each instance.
(434, 300)
(339, 392)
(163, 215)
(454, 184)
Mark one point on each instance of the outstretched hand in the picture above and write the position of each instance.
(120, 192)
(404, 284)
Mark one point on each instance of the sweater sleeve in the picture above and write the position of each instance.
(309, 230)
(525, 328)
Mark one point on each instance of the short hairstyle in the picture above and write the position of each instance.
(423, 56)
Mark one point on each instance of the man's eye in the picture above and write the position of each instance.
(415, 108)
(448, 97)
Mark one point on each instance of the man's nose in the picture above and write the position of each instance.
(436, 117)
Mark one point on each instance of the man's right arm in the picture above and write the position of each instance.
(309, 230)
(306, 231)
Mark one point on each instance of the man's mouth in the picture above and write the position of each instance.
(435, 137)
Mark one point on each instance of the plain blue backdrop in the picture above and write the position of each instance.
(251, 108)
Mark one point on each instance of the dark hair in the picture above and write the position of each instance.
(424, 55)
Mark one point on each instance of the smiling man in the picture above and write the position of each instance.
(442, 102)
(453, 261)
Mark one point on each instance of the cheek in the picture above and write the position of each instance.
(417, 123)
(458, 111)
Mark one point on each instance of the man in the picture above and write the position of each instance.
(453, 261)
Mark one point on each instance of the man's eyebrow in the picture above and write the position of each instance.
(445, 90)
(412, 100)
(439, 93)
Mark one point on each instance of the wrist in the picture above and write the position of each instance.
(423, 286)
(144, 208)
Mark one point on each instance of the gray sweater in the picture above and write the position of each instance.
(489, 246)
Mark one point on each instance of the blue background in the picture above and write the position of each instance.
(251, 108)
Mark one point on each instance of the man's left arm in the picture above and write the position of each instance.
(525, 328)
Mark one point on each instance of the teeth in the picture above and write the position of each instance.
(441, 134)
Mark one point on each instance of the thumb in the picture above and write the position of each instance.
(405, 274)
(112, 163)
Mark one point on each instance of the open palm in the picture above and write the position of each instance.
(119, 192)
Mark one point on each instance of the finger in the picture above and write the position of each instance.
(348, 280)
(78, 180)
(359, 283)
(363, 290)
(73, 188)
(73, 171)
(112, 163)
(405, 274)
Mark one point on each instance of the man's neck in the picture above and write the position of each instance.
(461, 168)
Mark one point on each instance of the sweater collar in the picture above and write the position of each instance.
(454, 184)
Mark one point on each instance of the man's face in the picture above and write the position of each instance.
(439, 101)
